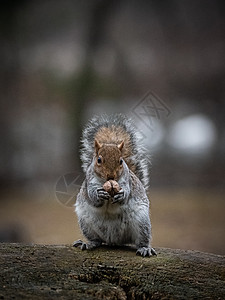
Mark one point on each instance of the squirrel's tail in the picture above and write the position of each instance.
(136, 156)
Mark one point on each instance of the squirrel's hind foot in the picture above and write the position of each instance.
(80, 244)
(146, 251)
(86, 246)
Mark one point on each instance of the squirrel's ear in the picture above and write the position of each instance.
(120, 146)
(97, 145)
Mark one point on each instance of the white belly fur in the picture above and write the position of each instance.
(113, 223)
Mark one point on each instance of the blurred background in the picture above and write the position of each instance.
(162, 63)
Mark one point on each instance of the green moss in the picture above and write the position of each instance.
(63, 271)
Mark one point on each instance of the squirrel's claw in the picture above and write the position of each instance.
(102, 194)
(119, 197)
(80, 244)
(146, 251)
(87, 246)
(153, 251)
(77, 243)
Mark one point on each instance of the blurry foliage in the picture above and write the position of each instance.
(173, 48)
(87, 84)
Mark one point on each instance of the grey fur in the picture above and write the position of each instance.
(123, 218)
(140, 158)
(102, 220)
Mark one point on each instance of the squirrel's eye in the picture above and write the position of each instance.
(99, 160)
(121, 161)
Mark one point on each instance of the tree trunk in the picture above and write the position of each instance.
(41, 272)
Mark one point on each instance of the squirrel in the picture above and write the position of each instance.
(112, 206)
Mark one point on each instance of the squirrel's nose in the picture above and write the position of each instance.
(111, 176)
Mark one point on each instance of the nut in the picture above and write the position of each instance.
(112, 187)
(107, 187)
(115, 186)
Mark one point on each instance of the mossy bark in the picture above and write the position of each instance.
(41, 272)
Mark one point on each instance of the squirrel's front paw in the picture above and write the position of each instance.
(119, 197)
(100, 197)
(102, 194)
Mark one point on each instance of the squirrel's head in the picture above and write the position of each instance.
(108, 160)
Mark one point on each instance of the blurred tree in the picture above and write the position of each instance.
(10, 75)
(87, 80)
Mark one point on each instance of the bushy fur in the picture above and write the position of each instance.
(139, 160)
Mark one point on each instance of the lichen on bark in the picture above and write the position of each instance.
(64, 272)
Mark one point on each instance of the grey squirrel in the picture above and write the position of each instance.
(112, 205)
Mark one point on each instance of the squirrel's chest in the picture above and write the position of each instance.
(109, 209)
(112, 224)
